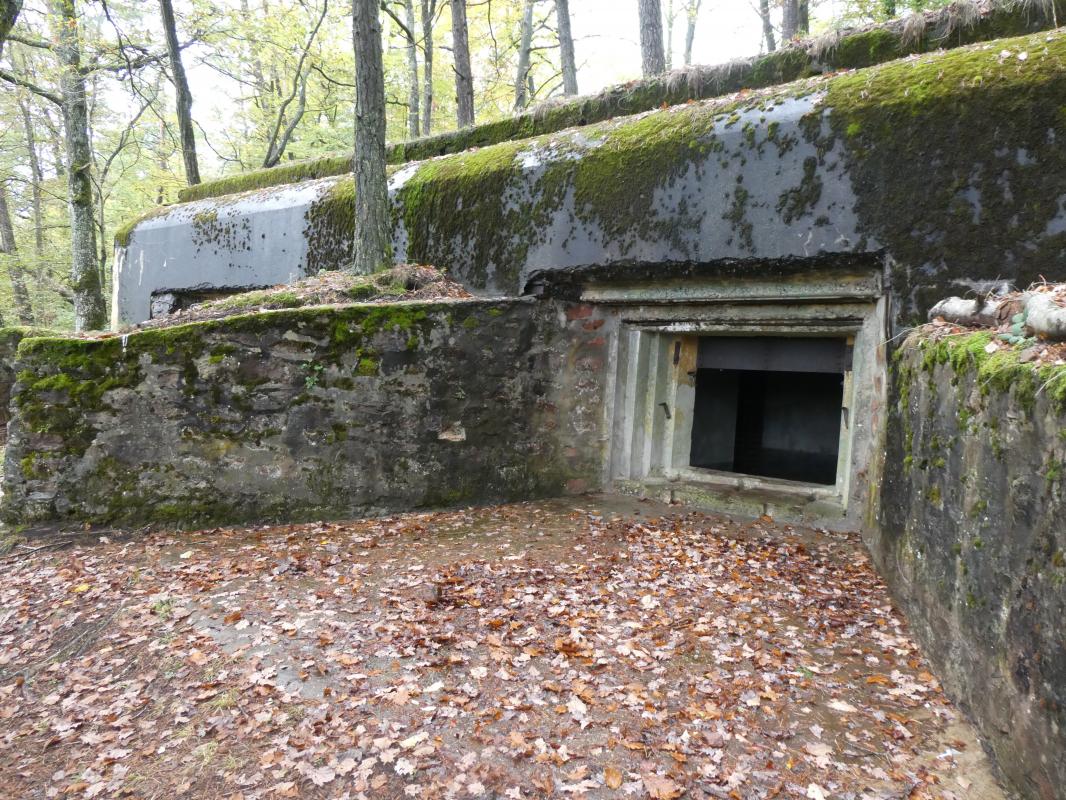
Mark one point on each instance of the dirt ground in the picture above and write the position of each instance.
(590, 647)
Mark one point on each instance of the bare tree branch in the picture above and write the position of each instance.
(11, 78)
(275, 148)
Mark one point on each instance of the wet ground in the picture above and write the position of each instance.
(591, 647)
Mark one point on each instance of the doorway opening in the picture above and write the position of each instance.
(769, 407)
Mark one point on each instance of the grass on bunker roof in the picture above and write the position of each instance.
(590, 647)
(333, 287)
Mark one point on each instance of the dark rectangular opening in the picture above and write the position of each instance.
(769, 407)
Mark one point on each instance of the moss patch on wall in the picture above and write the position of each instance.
(273, 176)
(912, 128)
(998, 371)
(316, 412)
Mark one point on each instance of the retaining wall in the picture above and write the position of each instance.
(319, 412)
(973, 542)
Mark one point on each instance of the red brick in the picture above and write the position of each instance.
(577, 485)
(579, 312)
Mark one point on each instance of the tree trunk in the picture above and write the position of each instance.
(372, 248)
(525, 44)
(160, 192)
(55, 142)
(414, 89)
(37, 179)
(693, 12)
(90, 310)
(669, 35)
(9, 12)
(652, 55)
(789, 20)
(15, 271)
(182, 94)
(567, 60)
(767, 26)
(804, 19)
(464, 76)
(429, 10)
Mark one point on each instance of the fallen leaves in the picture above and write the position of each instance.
(660, 788)
(612, 777)
(510, 652)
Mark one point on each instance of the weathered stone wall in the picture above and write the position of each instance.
(10, 338)
(950, 164)
(320, 412)
(973, 542)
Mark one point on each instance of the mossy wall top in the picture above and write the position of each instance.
(951, 163)
(962, 23)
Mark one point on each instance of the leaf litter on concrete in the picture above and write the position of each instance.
(594, 647)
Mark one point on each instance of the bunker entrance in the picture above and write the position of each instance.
(769, 407)
(750, 394)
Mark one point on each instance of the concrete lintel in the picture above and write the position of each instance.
(812, 289)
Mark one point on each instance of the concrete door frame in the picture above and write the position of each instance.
(651, 389)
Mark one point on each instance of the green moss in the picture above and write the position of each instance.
(32, 467)
(274, 176)
(263, 298)
(737, 215)
(790, 63)
(998, 372)
(219, 353)
(367, 366)
(795, 203)
(429, 214)
(330, 227)
(911, 128)
(867, 48)
(123, 232)
(1054, 470)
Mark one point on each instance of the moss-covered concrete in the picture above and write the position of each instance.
(958, 162)
(848, 49)
(297, 414)
(971, 540)
(10, 338)
(947, 163)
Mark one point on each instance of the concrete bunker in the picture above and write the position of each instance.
(755, 394)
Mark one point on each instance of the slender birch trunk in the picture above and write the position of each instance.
(767, 26)
(414, 89)
(429, 10)
(692, 13)
(182, 94)
(525, 44)
(15, 272)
